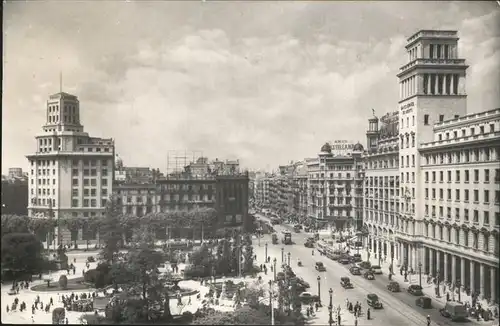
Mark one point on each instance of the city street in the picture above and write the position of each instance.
(399, 308)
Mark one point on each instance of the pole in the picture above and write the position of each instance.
(265, 258)
(271, 301)
(420, 274)
(319, 288)
(274, 269)
(282, 255)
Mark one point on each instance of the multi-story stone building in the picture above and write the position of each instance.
(459, 180)
(381, 185)
(301, 190)
(227, 194)
(71, 173)
(335, 186)
(448, 161)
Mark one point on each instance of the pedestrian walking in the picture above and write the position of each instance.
(32, 320)
(7, 308)
(356, 321)
(368, 314)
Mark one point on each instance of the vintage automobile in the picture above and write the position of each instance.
(454, 311)
(308, 298)
(424, 302)
(320, 267)
(345, 282)
(369, 275)
(275, 238)
(393, 286)
(415, 289)
(373, 301)
(376, 269)
(364, 265)
(355, 270)
(357, 258)
(344, 260)
(309, 244)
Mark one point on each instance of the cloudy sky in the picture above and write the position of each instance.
(265, 82)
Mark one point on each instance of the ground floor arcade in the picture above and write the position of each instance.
(474, 274)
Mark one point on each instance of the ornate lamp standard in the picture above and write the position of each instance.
(289, 254)
(274, 261)
(282, 255)
(319, 289)
(265, 258)
(330, 308)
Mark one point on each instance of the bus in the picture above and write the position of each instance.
(287, 238)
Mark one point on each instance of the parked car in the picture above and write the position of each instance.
(357, 258)
(364, 265)
(376, 269)
(344, 260)
(355, 270)
(373, 301)
(454, 311)
(320, 267)
(308, 298)
(424, 302)
(415, 289)
(309, 244)
(393, 286)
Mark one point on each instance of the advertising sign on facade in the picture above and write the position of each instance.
(341, 147)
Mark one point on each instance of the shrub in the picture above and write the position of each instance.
(196, 272)
(63, 282)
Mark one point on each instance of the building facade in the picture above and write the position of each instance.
(459, 180)
(381, 184)
(71, 173)
(335, 186)
(447, 163)
(227, 194)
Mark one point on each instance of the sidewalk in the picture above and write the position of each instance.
(428, 288)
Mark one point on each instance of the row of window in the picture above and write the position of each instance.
(408, 161)
(90, 162)
(88, 202)
(476, 173)
(467, 156)
(43, 162)
(43, 191)
(486, 195)
(475, 214)
(383, 164)
(93, 149)
(441, 84)
(464, 132)
(89, 192)
(43, 181)
(91, 182)
(89, 172)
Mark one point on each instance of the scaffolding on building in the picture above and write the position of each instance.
(177, 160)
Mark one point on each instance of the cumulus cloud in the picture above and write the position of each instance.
(263, 82)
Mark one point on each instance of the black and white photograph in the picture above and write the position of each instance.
(250, 162)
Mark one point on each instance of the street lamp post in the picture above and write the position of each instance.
(319, 288)
(379, 254)
(271, 301)
(458, 285)
(438, 280)
(274, 261)
(265, 258)
(420, 274)
(330, 307)
(289, 254)
(282, 255)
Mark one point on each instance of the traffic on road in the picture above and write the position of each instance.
(389, 302)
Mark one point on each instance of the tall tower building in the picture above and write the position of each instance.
(432, 90)
(70, 173)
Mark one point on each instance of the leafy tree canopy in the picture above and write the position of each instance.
(21, 252)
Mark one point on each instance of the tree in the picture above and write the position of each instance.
(140, 280)
(248, 254)
(73, 225)
(21, 252)
(111, 231)
(14, 224)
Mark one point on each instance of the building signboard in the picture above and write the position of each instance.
(341, 147)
